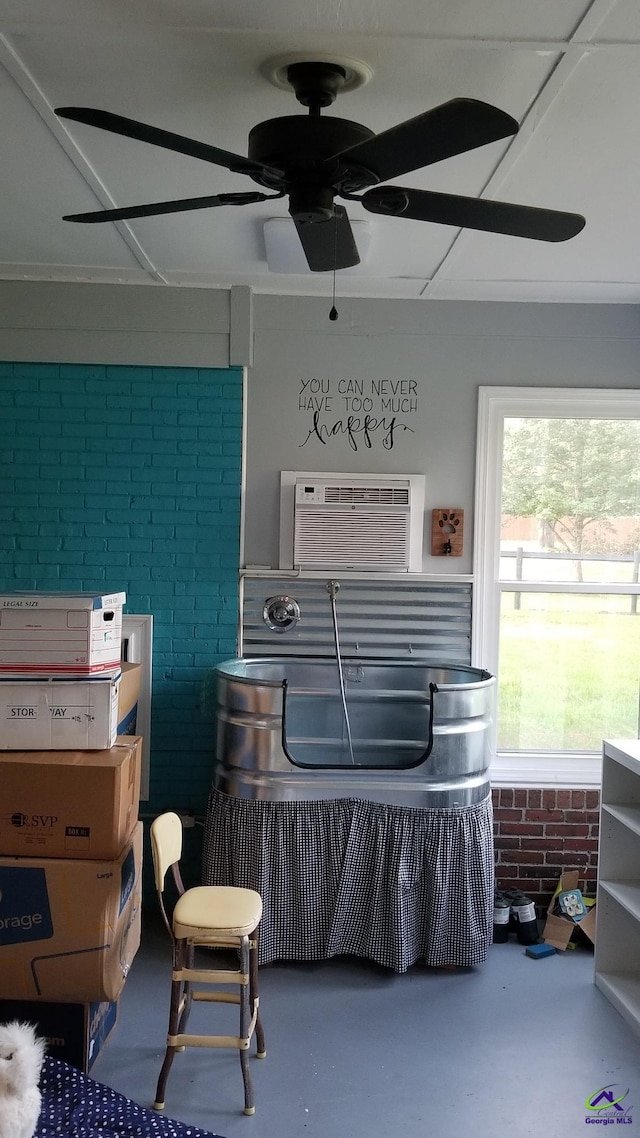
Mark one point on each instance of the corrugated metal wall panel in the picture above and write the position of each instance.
(390, 619)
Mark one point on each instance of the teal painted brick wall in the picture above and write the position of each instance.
(129, 478)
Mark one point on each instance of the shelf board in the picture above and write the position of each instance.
(624, 751)
(622, 989)
(626, 893)
(628, 815)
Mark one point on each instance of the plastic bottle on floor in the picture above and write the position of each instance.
(501, 911)
(524, 912)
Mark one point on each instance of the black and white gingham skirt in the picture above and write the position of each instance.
(346, 876)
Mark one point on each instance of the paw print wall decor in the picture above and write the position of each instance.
(447, 527)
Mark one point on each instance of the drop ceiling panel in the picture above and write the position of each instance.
(37, 182)
(561, 168)
(622, 23)
(503, 19)
(172, 75)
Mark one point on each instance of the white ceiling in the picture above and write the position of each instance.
(569, 72)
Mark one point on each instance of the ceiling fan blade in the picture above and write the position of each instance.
(328, 244)
(474, 213)
(130, 128)
(452, 128)
(181, 205)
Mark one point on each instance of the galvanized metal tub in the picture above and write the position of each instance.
(421, 734)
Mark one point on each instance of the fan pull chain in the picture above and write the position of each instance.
(333, 314)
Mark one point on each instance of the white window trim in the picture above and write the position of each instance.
(495, 404)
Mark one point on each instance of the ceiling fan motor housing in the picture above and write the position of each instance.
(295, 143)
(303, 147)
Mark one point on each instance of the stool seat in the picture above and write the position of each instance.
(204, 909)
(211, 916)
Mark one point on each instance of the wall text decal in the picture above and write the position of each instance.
(364, 412)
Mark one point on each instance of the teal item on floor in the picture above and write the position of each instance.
(538, 950)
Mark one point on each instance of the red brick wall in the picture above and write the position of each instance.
(539, 833)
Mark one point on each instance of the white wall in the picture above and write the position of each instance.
(442, 351)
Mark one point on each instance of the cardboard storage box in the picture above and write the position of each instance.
(69, 930)
(561, 928)
(128, 696)
(58, 713)
(75, 1033)
(70, 804)
(60, 632)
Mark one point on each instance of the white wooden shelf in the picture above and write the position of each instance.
(628, 815)
(622, 989)
(626, 893)
(617, 954)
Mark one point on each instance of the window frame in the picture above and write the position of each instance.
(495, 404)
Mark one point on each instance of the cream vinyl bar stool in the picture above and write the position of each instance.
(213, 916)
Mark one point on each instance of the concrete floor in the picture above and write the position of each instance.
(513, 1047)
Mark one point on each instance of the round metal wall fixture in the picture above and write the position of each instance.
(281, 613)
(275, 70)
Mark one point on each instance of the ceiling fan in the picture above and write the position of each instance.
(313, 160)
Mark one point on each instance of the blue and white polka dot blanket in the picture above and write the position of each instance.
(75, 1106)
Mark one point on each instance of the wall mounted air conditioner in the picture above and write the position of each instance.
(344, 521)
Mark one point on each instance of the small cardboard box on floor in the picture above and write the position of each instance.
(559, 928)
(60, 632)
(71, 804)
(69, 930)
(75, 1033)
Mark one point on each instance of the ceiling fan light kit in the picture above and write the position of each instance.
(312, 160)
(286, 255)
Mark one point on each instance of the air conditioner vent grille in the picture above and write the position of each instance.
(385, 495)
(362, 538)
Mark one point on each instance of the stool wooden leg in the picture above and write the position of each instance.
(175, 1017)
(254, 995)
(245, 1020)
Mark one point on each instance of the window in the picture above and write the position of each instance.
(557, 563)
